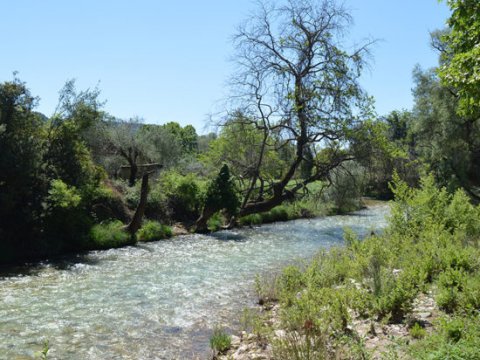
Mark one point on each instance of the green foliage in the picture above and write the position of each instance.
(388, 148)
(239, 145)
(253, 219)
(266, 288)
(182, 195)
(457, 338)
(22, 182)
(215, 222)
(307, 207)
(220, 341)
(107, 203)
(153, 230)
(395, 300)
(109, 235)
(222, 193)
(347, 187)
(430, 243)
(417, 331)
(461, 68)
(254, 322)
(446, 141)
(63, 196)
(43, 355)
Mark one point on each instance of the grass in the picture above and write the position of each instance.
(108, 235)
(153, 230)
(220, 341)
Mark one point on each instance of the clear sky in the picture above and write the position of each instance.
(169, 60)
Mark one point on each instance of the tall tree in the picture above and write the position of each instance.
(447, 141)
(296, 80)
(133, 143)
(22, 184)
(461, 70)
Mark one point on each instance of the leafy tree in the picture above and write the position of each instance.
(388, 147)
(22, 184)
(250, 152)
(204, 142)
(73, 176)
(132, 142)
(461, 68)
(296, 82)
(160, 145)
(221, 195)
(446, 140)
(186, 136)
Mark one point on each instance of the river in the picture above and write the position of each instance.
(158, 300)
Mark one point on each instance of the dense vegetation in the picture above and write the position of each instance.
(431, 246)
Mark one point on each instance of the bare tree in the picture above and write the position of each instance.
(295, 80)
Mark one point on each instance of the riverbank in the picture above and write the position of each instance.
(411, 292)
(376, 337)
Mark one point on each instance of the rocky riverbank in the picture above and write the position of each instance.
(379, 338)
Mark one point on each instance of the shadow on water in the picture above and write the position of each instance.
(228, 236)
(65, 262)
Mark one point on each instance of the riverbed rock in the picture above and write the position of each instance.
(235, 341)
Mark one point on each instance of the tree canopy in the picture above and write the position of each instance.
(461, 71)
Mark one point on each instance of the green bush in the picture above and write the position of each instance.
(253, 219)
(182, 194)
(395, 300)
(220, 341)
(417, 332)
(107, 203)
(109, 235)
(346, 189)
(215, 222)
(153, 230)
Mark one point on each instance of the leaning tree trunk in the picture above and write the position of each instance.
(201, 225)
(136, 222)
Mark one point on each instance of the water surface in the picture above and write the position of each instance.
(159, 300)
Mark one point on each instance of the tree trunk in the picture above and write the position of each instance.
(201, 223)
(136, 222)
(133, 174)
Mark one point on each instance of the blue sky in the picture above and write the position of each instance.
(169, 60)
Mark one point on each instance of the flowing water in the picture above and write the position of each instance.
(159, 300)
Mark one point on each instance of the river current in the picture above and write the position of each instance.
(158, 300)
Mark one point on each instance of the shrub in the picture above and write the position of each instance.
(220, 341)
(417, 332)
(290, 282)
(457, 338)
(450, 284)
(153, 230)
(266, 288)
(182, 194)
(347, 188)
(109, 235)
(215, 222)
(253, 219)
(397, 295)
(107, 204)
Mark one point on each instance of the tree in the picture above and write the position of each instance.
(132, 142)
(250, 152)
(447, 141)
(22, 182)
(187, 136)
(221, 195)
(296, 82)
(461, 70)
